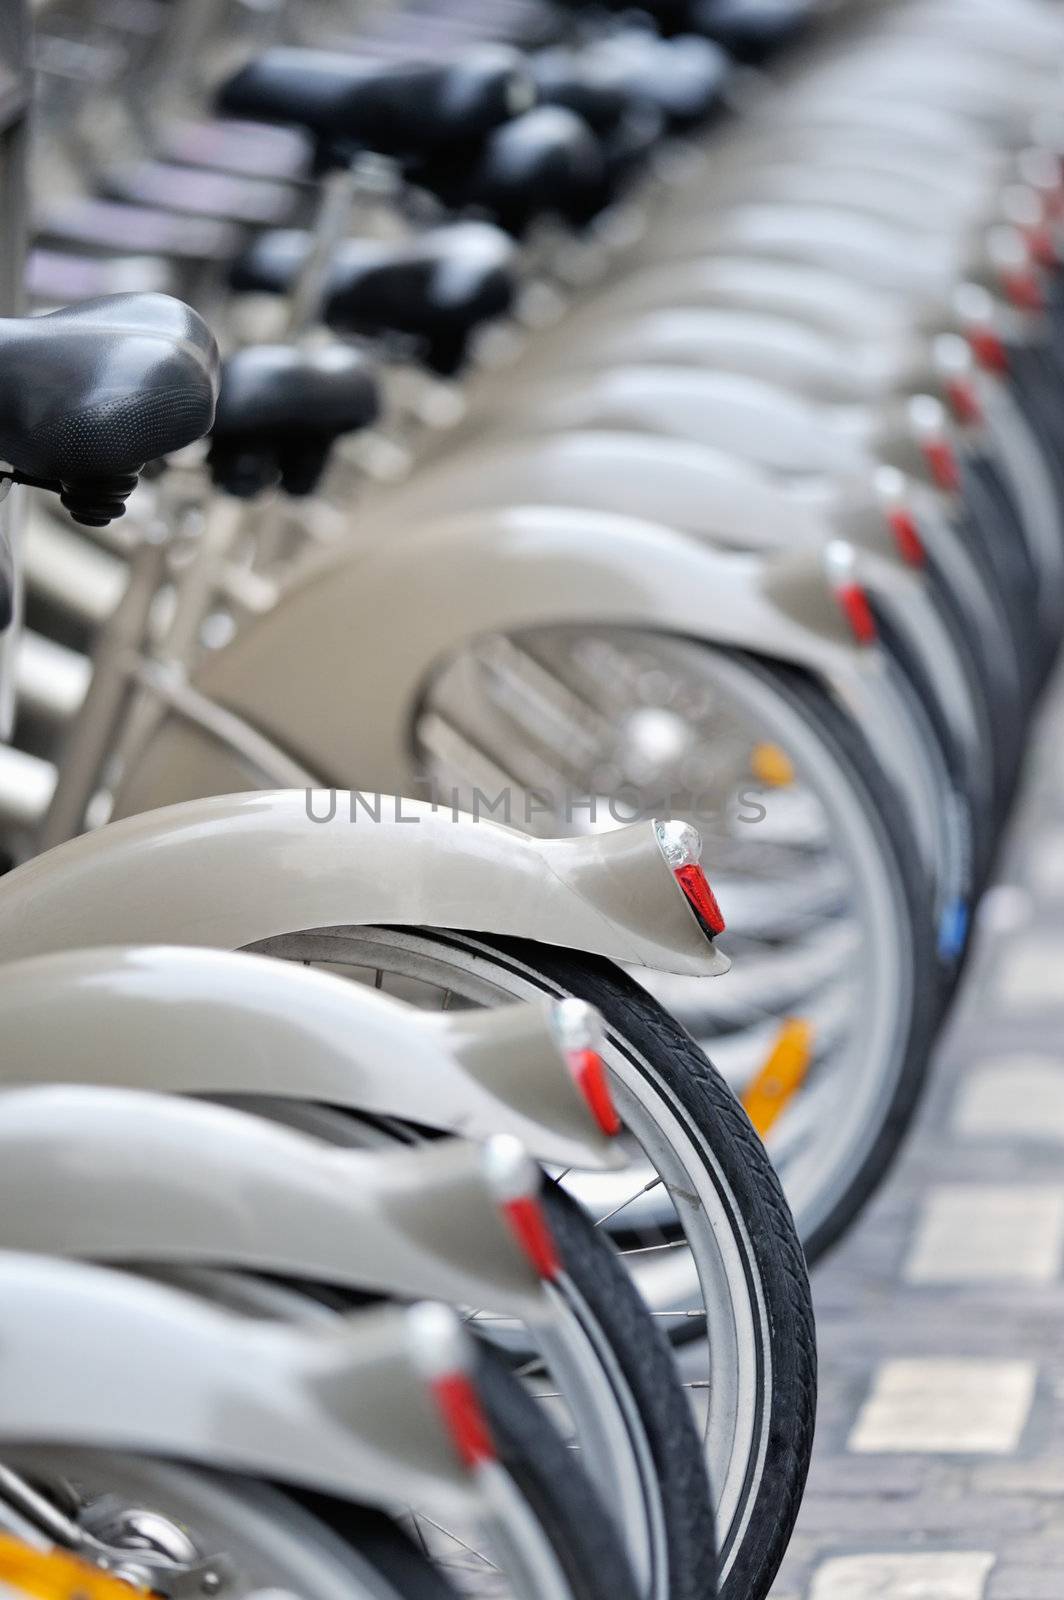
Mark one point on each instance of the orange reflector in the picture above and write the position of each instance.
(55, 1574)
(767, 1097)
(857, 611)
(463, 1416)
(907, 536)
(771, 766)
(529, 1222)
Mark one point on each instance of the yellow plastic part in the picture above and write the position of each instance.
(767, 1096)
(54, 1575)
(771, 766)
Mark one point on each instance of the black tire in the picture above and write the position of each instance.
(734, 1166)
(544, 1472)
(601, 1295)
(400, 1565)
(639, 1366)
(743, 1169)
(649, 1370)
(930, 989)
(580, 1529)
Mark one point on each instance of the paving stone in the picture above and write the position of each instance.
(923, 1486)
(1031, 972)
(1017, 1098)
(945, 1405)
(974, 1233)
(1030, 1478)
(934, 1575)
(1010, 1582)
(1045, 865)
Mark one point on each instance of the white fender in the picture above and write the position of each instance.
(122, 1177)
(232, 870)
(828, 299)
(708, 494)
(877, 251)
(106, 1360)
(785, 350)
(210, 1022)
(501, 570)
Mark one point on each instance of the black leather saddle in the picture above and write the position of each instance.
(7, 580)
(396, 108)
(90, 394)
(280, 411)
(681, 80)
(434, 290)
(753, 31)
(546, 163)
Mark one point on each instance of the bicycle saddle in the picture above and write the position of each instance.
(397, 108)
(281, 409)
(91, 393)
(684, 79)
(435, 289)
(583, 81)
(752, 30)
(544, 163)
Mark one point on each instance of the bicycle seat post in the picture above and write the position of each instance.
(332, 223)
(89, 743)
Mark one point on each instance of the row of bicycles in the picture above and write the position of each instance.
(497, 488)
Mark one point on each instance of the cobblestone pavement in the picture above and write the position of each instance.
(939, 1468)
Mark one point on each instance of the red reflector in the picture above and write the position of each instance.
(907, 536)
(1023, 290)
(464, 1418)
(938, 453)
(965, 402)
(700, 896)
(989, 350)
(1042, 245)
(858, 612)
(589, 1070)
(529, 1222)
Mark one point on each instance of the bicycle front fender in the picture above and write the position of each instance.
(502, 570)
(233, 870)
(496, 570)
(122, 1177)
(105, 1360)
(210, 1022)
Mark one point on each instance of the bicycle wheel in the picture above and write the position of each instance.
(602, 1371)
(166, 1526)
(726, 1261)
(569, 1545)
(552, 1535)
(809, 852)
